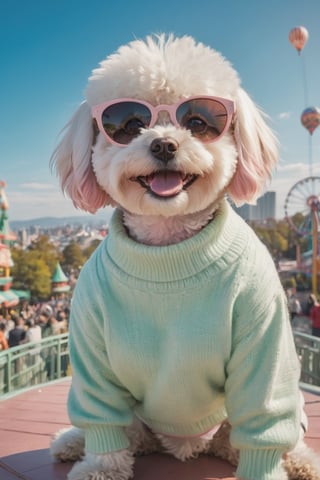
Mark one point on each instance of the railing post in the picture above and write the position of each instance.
(59, 358)
(9, 371)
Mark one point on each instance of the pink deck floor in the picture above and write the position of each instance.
(28, 421)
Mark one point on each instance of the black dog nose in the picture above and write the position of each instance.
(164, 149)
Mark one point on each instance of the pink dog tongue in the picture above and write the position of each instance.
(166, 183)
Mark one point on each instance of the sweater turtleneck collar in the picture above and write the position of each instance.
(220, 243)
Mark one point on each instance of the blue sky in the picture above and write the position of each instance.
(48, 49)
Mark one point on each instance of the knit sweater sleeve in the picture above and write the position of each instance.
(97, 402)
(262, 393)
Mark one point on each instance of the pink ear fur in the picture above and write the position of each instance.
(72, 163)
(257, 152)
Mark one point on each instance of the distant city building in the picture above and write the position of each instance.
(23, 238)
(263, 210)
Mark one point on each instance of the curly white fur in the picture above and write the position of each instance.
(109, 466)
(184, 448)
(68, 444)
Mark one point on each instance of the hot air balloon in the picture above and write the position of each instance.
(298, 37)
(310, 118)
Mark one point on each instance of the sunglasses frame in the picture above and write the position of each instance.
(97, 112)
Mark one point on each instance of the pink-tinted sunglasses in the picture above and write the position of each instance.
(121, 120)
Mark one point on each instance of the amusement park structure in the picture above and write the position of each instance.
(8, 298)
(302, 204)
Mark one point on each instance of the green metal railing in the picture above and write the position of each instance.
(41, 362)
(34, 363)
(308, 348)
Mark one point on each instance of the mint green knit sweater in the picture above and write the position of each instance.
(185, 336)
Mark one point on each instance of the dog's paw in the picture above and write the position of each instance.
(68, 445)
(302, 463)
(109, 466)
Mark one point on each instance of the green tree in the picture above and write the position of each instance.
(87, 252)
(33, 268)
(30, 272)
(276, 243)
(46, 251)
(280, 239)
(72, 258)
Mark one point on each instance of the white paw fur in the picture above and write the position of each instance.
(110, 466)
(68, 445)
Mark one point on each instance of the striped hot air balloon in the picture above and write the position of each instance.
(310, 118)
(298, 37)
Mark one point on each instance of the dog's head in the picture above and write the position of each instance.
(171, 160)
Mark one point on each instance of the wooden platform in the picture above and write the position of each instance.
(28, 421)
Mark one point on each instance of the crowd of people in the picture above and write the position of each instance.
(314, 312)
(310, 309)
(32, 322)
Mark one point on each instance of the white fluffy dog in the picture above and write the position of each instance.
(179, 331)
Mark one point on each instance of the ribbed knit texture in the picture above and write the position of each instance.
(185, 336)
(253, 462)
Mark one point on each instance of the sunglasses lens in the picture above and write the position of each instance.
(123, 121)
(205, 118)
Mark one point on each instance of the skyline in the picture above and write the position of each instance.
(50, 51)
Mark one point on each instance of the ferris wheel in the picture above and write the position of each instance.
(304, 199)
(302, 204)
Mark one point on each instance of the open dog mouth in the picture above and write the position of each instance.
(165, 183)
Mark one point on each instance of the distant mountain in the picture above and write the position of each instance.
(99, 219)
